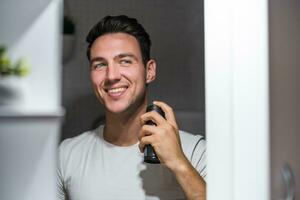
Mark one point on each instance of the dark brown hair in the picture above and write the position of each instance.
(121, 24)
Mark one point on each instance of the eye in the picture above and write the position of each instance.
(98, 65)
(126, 62)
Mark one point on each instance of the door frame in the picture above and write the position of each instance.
(236, 96)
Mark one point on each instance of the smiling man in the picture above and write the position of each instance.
(107, 163)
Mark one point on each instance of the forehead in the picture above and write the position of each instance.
(113, 44)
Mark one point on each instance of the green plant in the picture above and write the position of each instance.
(20, 68)
(69, 25)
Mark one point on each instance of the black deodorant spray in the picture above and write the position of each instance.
(149, 153)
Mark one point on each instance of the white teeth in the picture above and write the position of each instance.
(116, 90)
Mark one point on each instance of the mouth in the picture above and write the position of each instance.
(116, 92)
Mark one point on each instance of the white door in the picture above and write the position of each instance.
(252, 53)
(237, 100)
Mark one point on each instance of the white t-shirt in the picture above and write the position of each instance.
(89, 168)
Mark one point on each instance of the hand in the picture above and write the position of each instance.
(164, 137)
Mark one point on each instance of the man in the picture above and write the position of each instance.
(107, 163)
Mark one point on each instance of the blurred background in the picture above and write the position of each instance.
(30, 97)
(249, 104)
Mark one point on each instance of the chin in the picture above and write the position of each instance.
(117, 108)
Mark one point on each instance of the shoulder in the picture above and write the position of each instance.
(194, 146)
(189, 140)
(73, 149)
(77, 142)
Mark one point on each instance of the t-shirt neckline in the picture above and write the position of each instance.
(100, 131)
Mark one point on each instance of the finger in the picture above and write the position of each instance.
(144, 141)
(169, 113)
(154, 117)
(147, 130)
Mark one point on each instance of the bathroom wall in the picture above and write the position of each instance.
(30, 122)
(284, 98)
(176, 30)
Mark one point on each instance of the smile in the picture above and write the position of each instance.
(116, 92)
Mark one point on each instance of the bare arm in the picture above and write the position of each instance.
(166, 142)
(190, 181)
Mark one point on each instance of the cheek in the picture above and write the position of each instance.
(135, 74)
(96, 77)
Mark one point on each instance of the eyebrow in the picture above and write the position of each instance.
(126, 55)
(122, 55)
(96, 59)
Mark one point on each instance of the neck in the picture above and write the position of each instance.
(123, 129)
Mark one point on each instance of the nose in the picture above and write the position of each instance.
(113, 73)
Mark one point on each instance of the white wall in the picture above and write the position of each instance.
(38, 40)
(16, 17)
(28, 157)
(29, 130)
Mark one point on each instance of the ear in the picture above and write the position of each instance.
(150, 71)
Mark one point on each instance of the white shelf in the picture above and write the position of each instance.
(8, 112)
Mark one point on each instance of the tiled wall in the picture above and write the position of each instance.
(176, 30)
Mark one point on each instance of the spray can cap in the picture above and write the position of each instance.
(155, 108)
